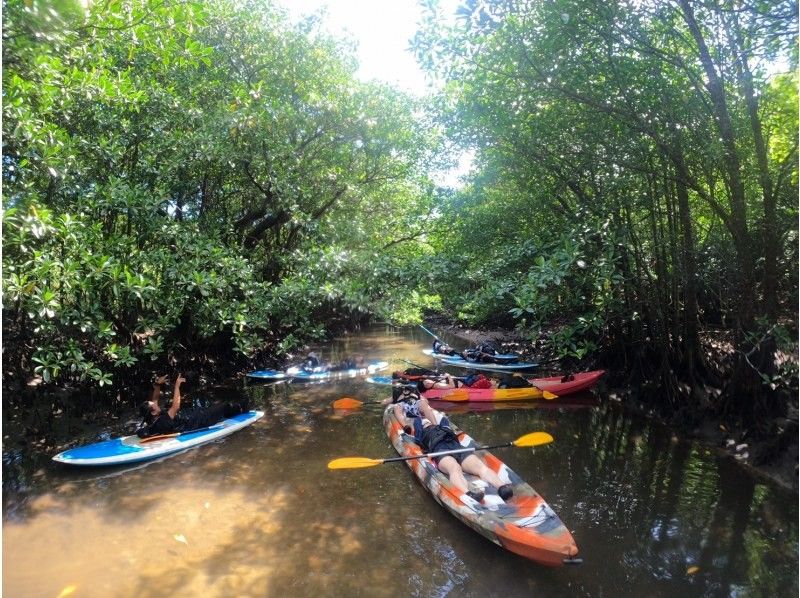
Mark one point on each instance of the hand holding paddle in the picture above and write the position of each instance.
(528, 440)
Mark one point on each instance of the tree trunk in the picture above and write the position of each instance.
(770, 233)
(690, 341)
(732, 164)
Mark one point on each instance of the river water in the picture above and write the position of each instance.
(259, 514)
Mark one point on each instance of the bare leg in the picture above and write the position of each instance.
(453, 470)
(472, 464)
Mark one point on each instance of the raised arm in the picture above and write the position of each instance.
(401, 416)
(176, 397)
(157, 386)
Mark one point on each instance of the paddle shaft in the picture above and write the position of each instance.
(416, 365)
(470, 449)
(429, 332)
(528, 440)
(173, 434)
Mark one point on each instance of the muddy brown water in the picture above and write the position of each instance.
(258, 513)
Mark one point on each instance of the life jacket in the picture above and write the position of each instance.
(489, 347)
(404, 394)
(434, 435)
(482, 382)
(477, 381)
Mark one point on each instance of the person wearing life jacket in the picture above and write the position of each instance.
(477, 380)
(313, 363)
(482, 353)
(435, 435)
(410, 401)
(445, 381)
(515, 380)
(349, 363)
(444, 349)
(157, 421)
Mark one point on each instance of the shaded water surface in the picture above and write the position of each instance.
(258, 513)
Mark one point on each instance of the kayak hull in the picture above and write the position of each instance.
(524, 525)
(558, 385)
(460, 362)
(132, 449)
(297, 374)
(482, 395)
(570, 384)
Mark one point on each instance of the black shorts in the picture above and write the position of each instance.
(449, 445)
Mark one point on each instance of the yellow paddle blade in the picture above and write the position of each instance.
(549, 395)
(353, 463)
(347, 403)
(533, 439)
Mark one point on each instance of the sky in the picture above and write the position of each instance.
(382, 29)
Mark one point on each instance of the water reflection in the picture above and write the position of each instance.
(258, 514)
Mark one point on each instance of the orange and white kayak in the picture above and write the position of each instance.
(525, 524)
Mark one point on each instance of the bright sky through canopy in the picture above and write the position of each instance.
(383, 30)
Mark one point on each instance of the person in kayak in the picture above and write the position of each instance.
(156, 421)
(427, 379)
(488, 352)
(349, 363)
(313, 363)
(444, 381)
(444, 349)
(410, 401)
(482, 353)
(436, 437)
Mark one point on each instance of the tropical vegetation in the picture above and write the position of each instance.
(210, 181)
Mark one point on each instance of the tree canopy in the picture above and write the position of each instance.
(208, 178)
(190, 177)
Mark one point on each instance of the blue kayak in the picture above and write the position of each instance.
(132, 449)
(298, 374)
(460, 362)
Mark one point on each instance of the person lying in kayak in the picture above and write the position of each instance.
(440, 437)
(314, 365)
(444, 349)
(156, 421)
(428, 379)
(410, 401)
(443, 381)
(488, 352)
(485, 352)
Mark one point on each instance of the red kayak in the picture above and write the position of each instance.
(557, 385)
(569, 384)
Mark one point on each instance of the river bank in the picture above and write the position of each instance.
(774, 459)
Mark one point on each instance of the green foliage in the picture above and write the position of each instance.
(600, 142)
(193, 178)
